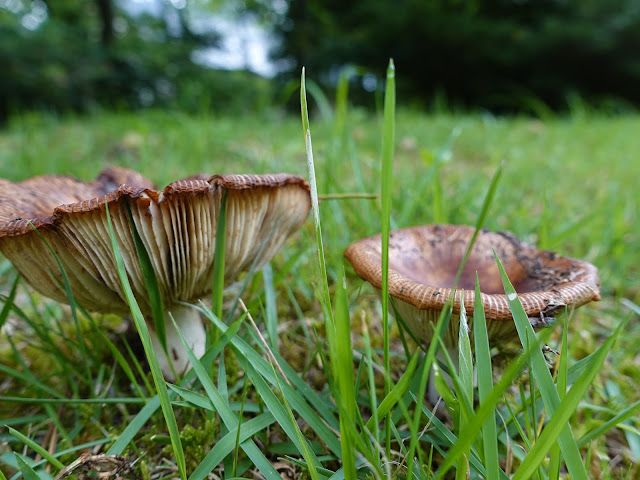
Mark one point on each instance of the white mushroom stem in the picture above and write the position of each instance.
(190, 325)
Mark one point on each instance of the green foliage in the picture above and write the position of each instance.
(495, 54)
(65, 63)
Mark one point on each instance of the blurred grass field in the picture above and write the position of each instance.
(570, 184)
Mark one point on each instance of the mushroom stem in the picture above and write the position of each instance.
(190, 325)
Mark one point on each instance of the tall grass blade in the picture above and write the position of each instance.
(218, 265)
(485, 384)
(226, 414)
(343, 354)
(325, 298)
(150, 282)
(156, 373)
(395, 395)
(8, 302)
(312, 463)
(271, 310)
(555, 456)
(373, 400)
(322, 102)
(294, 393)
(541, 374)
(481, 218)
(225, 445)
(388, 141)
(486, 409)
(560, 419)
(429, 361)
(465, 366)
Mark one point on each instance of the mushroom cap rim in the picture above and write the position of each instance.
(367, 264)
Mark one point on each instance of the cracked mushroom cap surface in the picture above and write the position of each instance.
(424, 260)
(177, 226)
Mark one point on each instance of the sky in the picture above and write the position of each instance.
(244, 43)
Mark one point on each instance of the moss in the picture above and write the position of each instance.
(196, 442)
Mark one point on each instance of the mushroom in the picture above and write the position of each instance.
(176, 225)
(423, 263)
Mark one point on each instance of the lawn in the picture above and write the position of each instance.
(568, 184)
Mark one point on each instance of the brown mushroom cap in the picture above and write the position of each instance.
(424, 260)
(177, 226)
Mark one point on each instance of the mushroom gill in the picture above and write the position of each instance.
(177, 226)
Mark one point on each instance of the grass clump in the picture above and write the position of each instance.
(326, 385)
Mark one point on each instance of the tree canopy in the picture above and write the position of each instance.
(502, 55)
(497, 54)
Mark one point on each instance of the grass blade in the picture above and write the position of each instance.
(388, 140)
(156, 373)
(271, 310)
(484, 411)
(227, 415)
(300, 441)
(625, 414)
(225, 445)
(481, 218)
(219, 254)
(28, 473)
(543, 378)
(134, 426)
(325, 298)
(342, 352)
(560, 419)
(485, 384)
(8, 302)
(150, 282)
(296, 399)
(36, 448)
(465, 368)
(555, 456)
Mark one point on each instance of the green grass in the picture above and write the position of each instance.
(567, 184)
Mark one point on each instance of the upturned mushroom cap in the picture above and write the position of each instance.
(424, 260)
(177, 226)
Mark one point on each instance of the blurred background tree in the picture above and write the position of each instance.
(66, 55)
(502, 55)
(496, 54)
